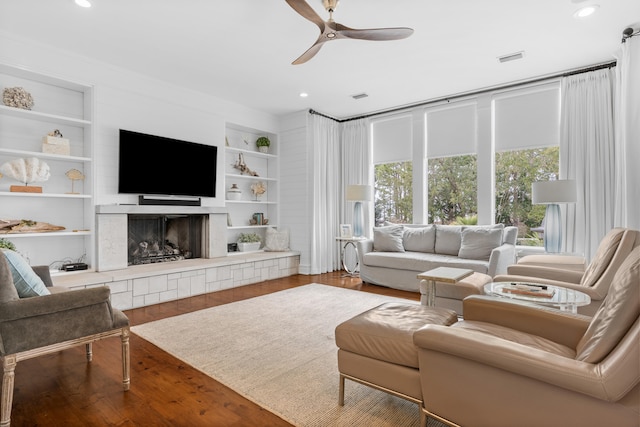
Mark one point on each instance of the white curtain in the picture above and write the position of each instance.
(627, 135)
(326, 194)
(356, 167)
(587, 154)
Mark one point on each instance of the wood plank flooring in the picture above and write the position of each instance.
(62, 389)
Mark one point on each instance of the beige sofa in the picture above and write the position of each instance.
(398, 253)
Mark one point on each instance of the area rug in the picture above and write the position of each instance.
(279, 351)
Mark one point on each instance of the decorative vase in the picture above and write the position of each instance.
(234, 193)
(248, 247)
(263, 149)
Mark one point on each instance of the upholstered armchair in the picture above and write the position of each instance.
(38, 325)
(568, 272)
(510, 363)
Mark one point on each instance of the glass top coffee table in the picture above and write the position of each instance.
(553, 296)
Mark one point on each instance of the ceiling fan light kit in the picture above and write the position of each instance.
(331, 30)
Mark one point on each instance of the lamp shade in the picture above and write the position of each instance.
(551, 192)
(359, 193)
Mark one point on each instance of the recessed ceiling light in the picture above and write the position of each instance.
(586, 11)
(83, 3)
(303, 94)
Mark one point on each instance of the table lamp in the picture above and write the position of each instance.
(358, 194)
(551, 193)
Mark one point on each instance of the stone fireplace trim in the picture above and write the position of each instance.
(112, 233)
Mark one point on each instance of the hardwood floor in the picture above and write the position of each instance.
(62, 389)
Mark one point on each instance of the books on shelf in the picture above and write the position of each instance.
(528, 289)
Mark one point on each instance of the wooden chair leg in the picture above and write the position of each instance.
(126, 366)
(89, 347)
(341, 391)
(8, 380)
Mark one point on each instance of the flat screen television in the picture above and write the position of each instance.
(150, 164)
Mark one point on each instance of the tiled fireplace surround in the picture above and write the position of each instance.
(141, 285)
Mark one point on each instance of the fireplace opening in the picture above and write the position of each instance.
(164, 238)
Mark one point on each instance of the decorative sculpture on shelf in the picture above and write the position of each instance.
(26, 171)
(258, 189)
(74, 175)
(15, 226)
(242, 166)
(17, 97)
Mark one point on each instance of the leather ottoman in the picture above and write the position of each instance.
(376, 347)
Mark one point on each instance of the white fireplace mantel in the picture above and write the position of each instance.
(158, 209)
(112, 230)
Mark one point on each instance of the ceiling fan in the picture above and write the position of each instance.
(331, 30)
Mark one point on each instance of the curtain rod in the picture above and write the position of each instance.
(478, 92)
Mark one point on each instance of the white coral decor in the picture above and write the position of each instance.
(26, 170)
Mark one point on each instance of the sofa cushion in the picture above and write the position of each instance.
(619, 310)
(420, 262)
(388, 239)
(8, 291)
(448, 239)
(26, 281)
(421, 239)
(477, 243)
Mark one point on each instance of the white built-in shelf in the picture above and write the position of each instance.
(23, 153)
(250, 202)
(44, 117)
(67, 106)
(244, 227)
(233, 176)
(250, 152)
(53, 234)
(52, 195)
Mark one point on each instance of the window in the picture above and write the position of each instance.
(516, 170)
(452, 170)
(392, 152)
(527, 135)
(394, 193)
(453, 195)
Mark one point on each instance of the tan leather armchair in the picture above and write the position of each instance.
(34, 326)
(594, 280)
(510, 364)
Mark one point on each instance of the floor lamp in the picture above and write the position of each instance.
(358, 194)
(551, 193)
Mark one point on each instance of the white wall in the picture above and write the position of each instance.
(123, 99)
(295, 200)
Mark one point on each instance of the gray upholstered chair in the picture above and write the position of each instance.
(38, 325)
(594, 280)
(510, 363)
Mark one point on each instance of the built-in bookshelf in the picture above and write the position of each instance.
(67, 107)
(240, 148)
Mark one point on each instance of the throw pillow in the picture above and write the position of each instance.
(477, 243)
(26, 281)
(448, 239)
(388, 239)
(276, 240)
(8, 292)
(421, 239)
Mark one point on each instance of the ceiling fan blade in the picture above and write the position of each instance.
(303, 8)
(377, 34)
(310, 53)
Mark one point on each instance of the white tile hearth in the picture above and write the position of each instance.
(143, 285)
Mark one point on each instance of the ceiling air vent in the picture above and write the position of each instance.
(359, 96)
(511, 57)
